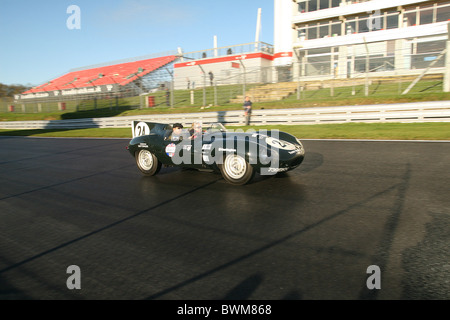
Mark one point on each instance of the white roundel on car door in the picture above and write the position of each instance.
(170, 150)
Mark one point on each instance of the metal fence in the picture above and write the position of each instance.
(373, 70)
(434, 111)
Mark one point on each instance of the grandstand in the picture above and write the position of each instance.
(129, 78)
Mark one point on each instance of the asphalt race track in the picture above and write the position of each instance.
(188, 235)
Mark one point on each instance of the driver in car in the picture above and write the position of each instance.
(176, 134)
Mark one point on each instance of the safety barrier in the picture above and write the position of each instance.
(433, 111)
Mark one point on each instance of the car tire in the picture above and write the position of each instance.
(236, 170)
(147, 162)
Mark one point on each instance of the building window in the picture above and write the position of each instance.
(335, 3)
(324, 30)
(314, 5)
(410, 17)
(426, 15)
(350, 26)
(320, 30)
(324, 4)
(443, 13)
(377, 63)
(423, 53)
(391, 20)
(318, 62)
(363, 24)
(312, 32)
(381, 57)
(372, 22)
(336, 28)
(302, 7)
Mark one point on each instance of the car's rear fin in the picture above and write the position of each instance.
(143, 128)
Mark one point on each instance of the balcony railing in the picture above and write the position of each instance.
(229, 50)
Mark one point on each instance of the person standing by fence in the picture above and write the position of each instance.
(211, 78)
(247, 110)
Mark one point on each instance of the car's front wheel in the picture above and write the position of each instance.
(147, 162)
(236, 170)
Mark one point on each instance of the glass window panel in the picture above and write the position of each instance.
(319, 51)
(336, 29)
(381, 64)
(350, 27)
(411, 18)
(422, 61)
(301, 32)
(376, 63)
(392, 21)
(324, 30)
(335, 3)
(302, 7)
(324, 4)
(375, 21)
(443, 14)
(363, 24)
(318, 65)
(426, 16)
(427, 5)
(312, 33)
(360, 65)
(431, 46)
(312, 5)
(426, 53)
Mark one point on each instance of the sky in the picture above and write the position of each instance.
(41, 40)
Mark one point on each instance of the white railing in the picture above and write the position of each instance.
(433, 111)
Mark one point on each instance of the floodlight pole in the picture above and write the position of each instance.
(258, 29)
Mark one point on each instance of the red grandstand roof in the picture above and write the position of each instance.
(121, 74)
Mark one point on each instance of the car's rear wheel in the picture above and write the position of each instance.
(147, 162)
(236, 170)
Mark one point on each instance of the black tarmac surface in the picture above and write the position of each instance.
(188, 235)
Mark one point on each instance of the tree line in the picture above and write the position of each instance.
(11, 90)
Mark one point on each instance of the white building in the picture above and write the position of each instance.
(341, 39)
(325, 39)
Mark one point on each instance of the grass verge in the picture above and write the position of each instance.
(379, 93)
(381, 131)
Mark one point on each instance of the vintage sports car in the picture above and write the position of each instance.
(237, 155)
